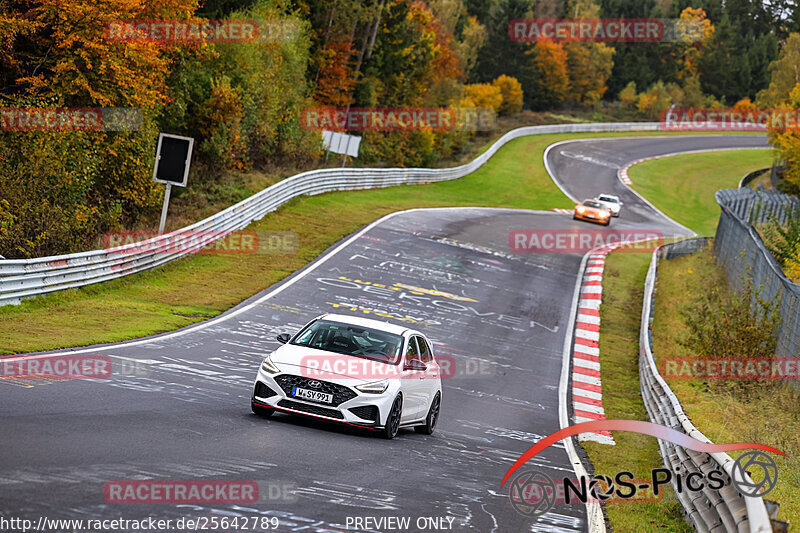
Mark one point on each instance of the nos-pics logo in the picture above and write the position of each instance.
(533, 493)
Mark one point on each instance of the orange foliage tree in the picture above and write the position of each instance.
(551, 86)
(694, 30)
(75, 62)
(336, 81)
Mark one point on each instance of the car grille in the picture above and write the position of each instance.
(367, 412)
(340, 393)
(313, 409)
(262, 391)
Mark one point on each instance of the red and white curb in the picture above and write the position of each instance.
(563, 211)
(622, 173)
(587, 393)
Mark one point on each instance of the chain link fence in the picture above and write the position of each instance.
(740, 250)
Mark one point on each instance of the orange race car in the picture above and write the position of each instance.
(593, 211)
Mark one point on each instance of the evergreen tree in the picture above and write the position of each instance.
(501, 55)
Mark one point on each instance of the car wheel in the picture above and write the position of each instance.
(260, 410)
(433, 417)
(607, 222)
(393, 420)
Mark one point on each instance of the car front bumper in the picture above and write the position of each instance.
(357, 408)
(585, 216)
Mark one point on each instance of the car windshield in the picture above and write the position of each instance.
(590, 203)
(608, 199)
(349, 339)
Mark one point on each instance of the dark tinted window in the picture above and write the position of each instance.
(424, 350)
(412, 352)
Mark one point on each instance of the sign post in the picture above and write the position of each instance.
(341, 143)
(164, 208)
(173, 157)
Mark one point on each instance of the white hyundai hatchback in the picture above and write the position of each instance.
(358, 371)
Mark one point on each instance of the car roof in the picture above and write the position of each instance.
(367, 323)
(608, 196)
(590, 200)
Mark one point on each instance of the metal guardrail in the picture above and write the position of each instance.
(739, 249)
(709, 510)
(22, 278)
(750, 176)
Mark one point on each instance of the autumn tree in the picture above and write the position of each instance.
(654, 100)
(483, 95)
(787, 141)
(784, 74)
(784, 92)
(551, 84)
(693, 96)
(589, 64)
(628, 96)
(511, 91)
(105, 72)
(694, 31)
(335, 81)
(473, 38)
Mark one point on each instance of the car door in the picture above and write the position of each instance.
(412, 384)
(432, 380)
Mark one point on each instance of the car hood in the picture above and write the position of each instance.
(610, 205)
(346, 370)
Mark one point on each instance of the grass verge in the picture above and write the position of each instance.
(762, 412)
(683, 186)
(623, 290)
(764, 180)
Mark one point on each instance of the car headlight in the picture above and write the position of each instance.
(269, 367)
(374, 388)
(581, 209)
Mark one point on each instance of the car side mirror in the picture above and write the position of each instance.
(283, 338)
(415, 364)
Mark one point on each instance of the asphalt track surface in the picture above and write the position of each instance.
(177, 406)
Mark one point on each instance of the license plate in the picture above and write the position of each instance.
(313, 395)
